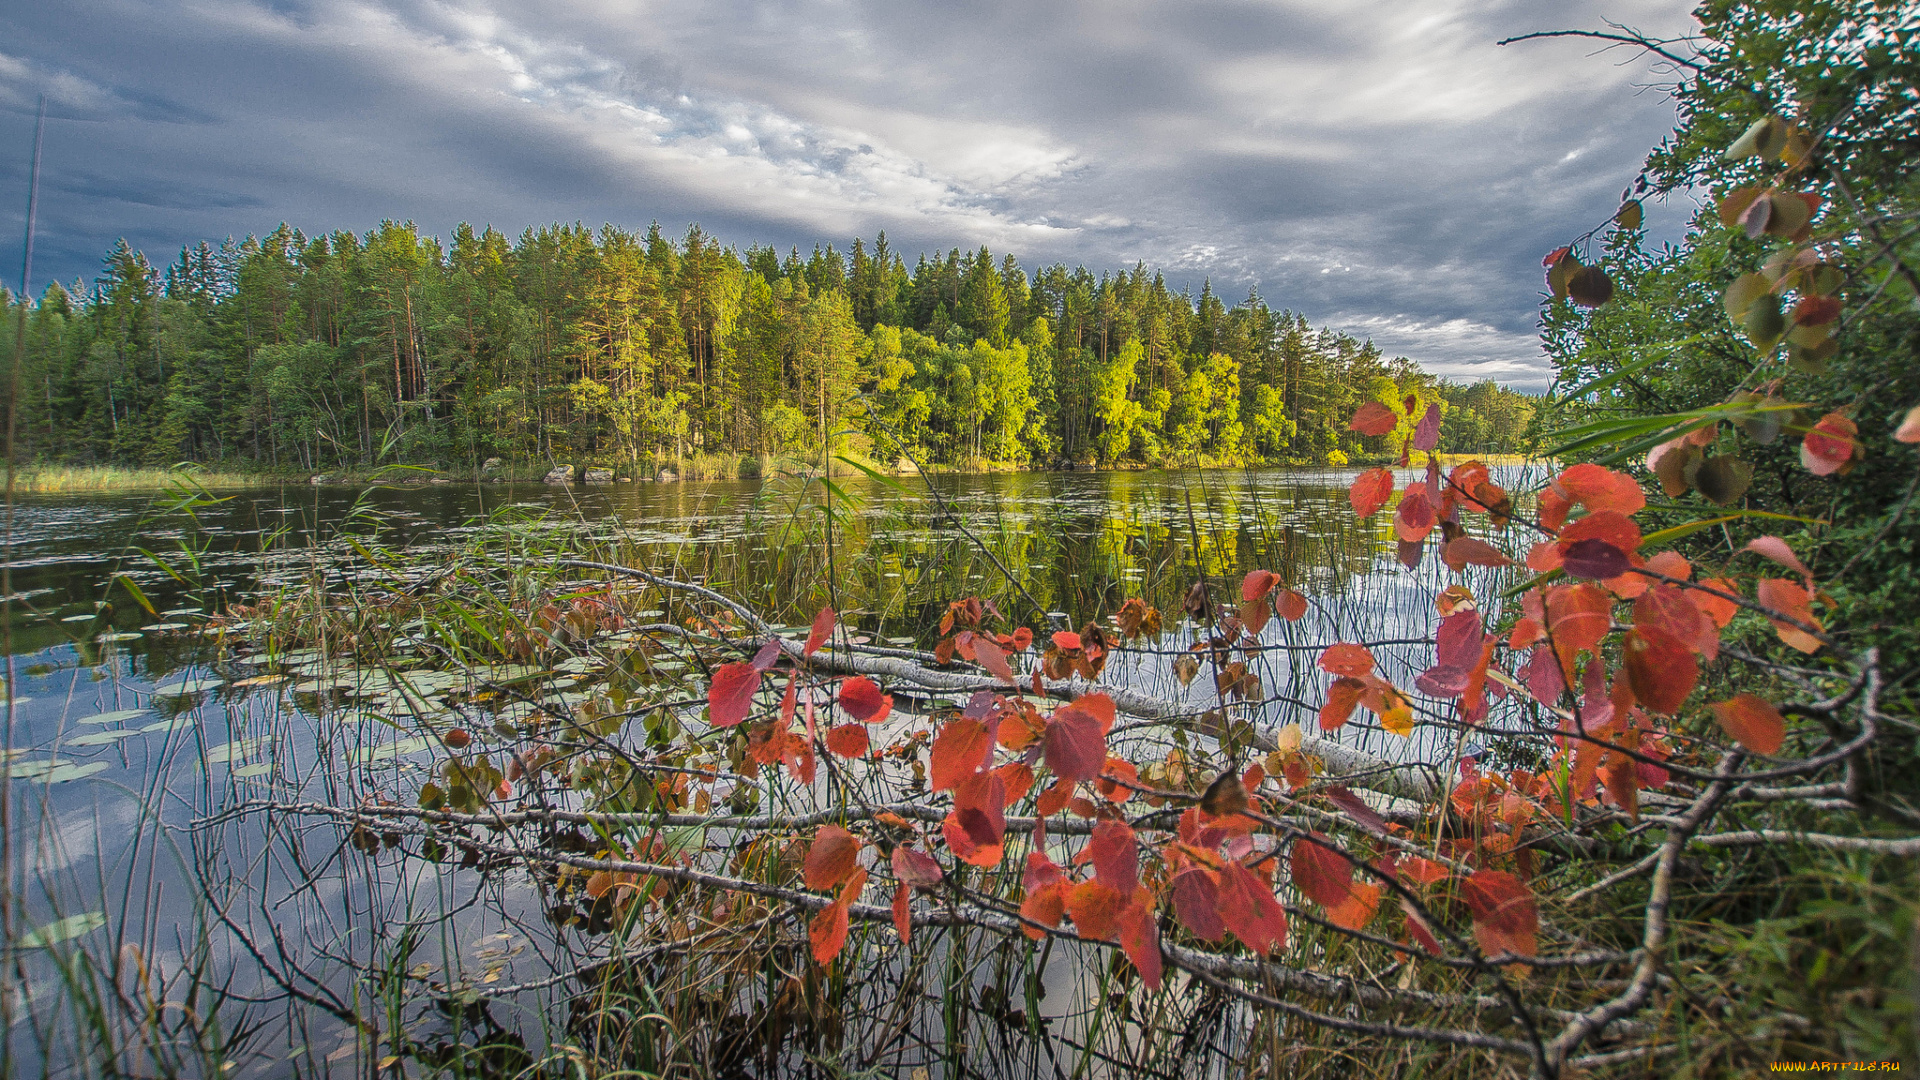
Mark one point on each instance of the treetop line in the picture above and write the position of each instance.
(297, 352)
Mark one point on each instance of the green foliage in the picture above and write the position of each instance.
(291, 352)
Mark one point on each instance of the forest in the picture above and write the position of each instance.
(290, 353)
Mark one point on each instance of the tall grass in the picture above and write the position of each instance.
(47, 479)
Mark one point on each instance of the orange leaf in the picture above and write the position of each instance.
(1661, 668)
(1342, 696)
(1358, 909)
(1752, 723)
(1909, 429)
(902, 916)
(822, 630)
(1095, 909)
(828, 932)
(1257, 584)
(1716, 604)
(1116, 861)
(990, 657)
(1599, 489)
(848, 740)
(1018, 778)
(1045, 904)
(1289, 605)
(730, 696)
(1791, 600)
(1373, 418)
(830, 859)
(1578, 616)
(958, 751)
(1117, 769)
(1345, 659)
(1465, 551)
(1370, 491)
(1140, 937)
(1505, 917)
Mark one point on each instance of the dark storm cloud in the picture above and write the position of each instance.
(1382, 167)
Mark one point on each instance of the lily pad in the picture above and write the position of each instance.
(171, 723)
(102, 738)
(111, 717)
(66, 929)
(227, 753)
(125, 635)
(166, 626)
(253, 771)
(81, 618)
(187, 686)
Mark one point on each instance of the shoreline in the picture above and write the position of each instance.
(102, 479)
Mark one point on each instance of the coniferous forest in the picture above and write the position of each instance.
(294, 353)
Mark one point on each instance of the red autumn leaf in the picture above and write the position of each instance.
(958, 752)
(902, 915)
(1612, 526)
(1774, 548)
(1347, 659)
(1370, 491)
(848, 740)
(1117, 769)
(1555, 256)
(1505, 917)
(990, 657)
(1054, 799)
(1790, 600)
(1357, 809)
(1661, 668)
(1670, 609)
(1456, 655)
(1342, 696)
(1752, 723)
(1116, 861)
(1248, 908)
(1414, 518)
(1075, 742)
(1423, 871)
(768, 656)
(1254, 615)
(1289, 605)
(1066, 640)
(1621, 777)
(457, 739)
(828, 932)
(977, 826)
(1714, 600)
(830, 859)
(915, 868)
(1598, 489)
(1357, 910)
(730, 695)
(1095, 910)
(1816, 310)
(1427, 435)
(1045, 904)
(1018, 778)
(1326, 877)
(1140, 938)
(863, 701)
(1257, 584)
(1465, 551)
(1373, 418)
(1196, 903)
(1578, 616)
(1418, 930)
(821, 631)
(1829, 446)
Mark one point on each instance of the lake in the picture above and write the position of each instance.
(167, 912)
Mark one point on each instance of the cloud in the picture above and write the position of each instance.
(1380, 166)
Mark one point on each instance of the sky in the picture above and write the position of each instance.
(1384, 168)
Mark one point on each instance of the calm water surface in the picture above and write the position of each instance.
(124, 733)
